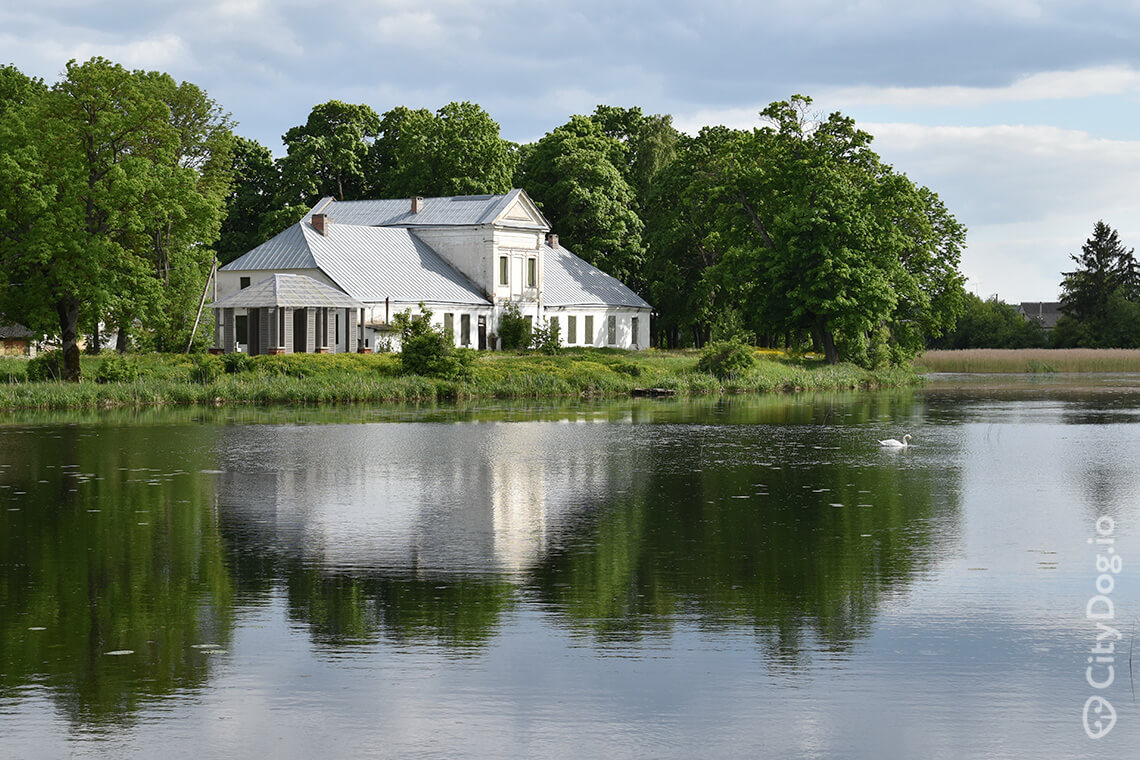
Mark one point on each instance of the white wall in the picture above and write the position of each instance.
(468, 249)
(599, 338)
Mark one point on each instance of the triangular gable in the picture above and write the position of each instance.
(521, 211)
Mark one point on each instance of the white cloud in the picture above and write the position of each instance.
(1050, 85)
(1028, 194)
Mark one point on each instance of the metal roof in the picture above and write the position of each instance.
(367, 263)
(436, 212)
(374, 263)
(15, 331)
(570, 281)
(289, 291)
(286, 250)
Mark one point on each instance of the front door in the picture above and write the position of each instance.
(299, 331)
(482, 333)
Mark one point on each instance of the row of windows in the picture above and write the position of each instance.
(531, 271)
(611, 329)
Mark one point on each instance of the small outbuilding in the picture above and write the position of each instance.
(287, 314)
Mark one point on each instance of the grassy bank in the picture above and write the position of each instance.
(1031, 360)
(308, 379)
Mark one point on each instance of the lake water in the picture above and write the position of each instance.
(695, 578)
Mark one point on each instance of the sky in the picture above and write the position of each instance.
(1021, 114)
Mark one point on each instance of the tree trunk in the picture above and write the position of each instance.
(68, 311)
(122, 339)
(827, 338)
(96, 339)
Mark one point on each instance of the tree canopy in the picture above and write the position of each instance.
(112, 183)
(1101, 297)
(573, 174)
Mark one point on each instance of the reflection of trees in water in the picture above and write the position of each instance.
(714, 545)
(675, 542)
(118, 550)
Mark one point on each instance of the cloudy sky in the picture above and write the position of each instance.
(1021, 114)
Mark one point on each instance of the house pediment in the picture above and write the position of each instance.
(522, 213)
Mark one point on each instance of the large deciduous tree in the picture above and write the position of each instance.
(573, 173)
(327, 155)
(111, 181)
(253, 196)
(801, 228)
(455, 151)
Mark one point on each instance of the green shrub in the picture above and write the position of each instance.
(726, 359)
(237, 362)
(545, 338)
(207, 369)
(115, 368)
(628, 368)
(46, 366)
(514, 329)
(429, 351)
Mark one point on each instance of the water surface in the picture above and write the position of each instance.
(690, 578)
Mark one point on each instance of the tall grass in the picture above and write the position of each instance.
(1022, 360)
(307, 379)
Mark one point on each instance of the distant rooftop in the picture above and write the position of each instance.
(1045, 312)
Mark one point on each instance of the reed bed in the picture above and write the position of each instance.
(307, 379)
(1031, 360)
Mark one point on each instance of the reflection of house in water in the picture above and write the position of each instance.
(472, 497)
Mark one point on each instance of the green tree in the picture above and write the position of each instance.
(455, 151)
(573, 174)
(327, 155)
(650, 141)
(252, 197)
(104, 192)
(683, 244)
(991, 323)
(811, 231)
(1104, 268)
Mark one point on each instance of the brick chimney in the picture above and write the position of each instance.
(552, 240)
(321, 223)
(417, 205)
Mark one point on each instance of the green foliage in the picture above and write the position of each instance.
(207, 369)
(235, 362)
(729, 326)
(801, 227)
(328, 154)
(113, 184)
(455, 151)
(573, 174)
(545, 337)
(514, 329)
(256, 184)
(726, 359)
(46, 366)
(117, 369)
(1101, 298)
(991, 323)
(427, 350)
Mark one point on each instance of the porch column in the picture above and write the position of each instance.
(229, 331)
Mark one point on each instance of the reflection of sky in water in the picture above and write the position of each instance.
(980, 652)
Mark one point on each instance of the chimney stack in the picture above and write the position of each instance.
(552, 240)
(417, 205)
(321, 223)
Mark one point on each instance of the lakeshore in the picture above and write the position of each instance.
(169, 380)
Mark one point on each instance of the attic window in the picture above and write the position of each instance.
(243, 283)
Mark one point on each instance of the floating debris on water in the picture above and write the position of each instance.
(120, 652)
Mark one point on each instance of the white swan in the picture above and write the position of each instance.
(891, 443)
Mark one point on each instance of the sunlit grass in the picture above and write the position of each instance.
(1021, 360)
(348, 378)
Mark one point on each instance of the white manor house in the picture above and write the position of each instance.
(334, 281)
